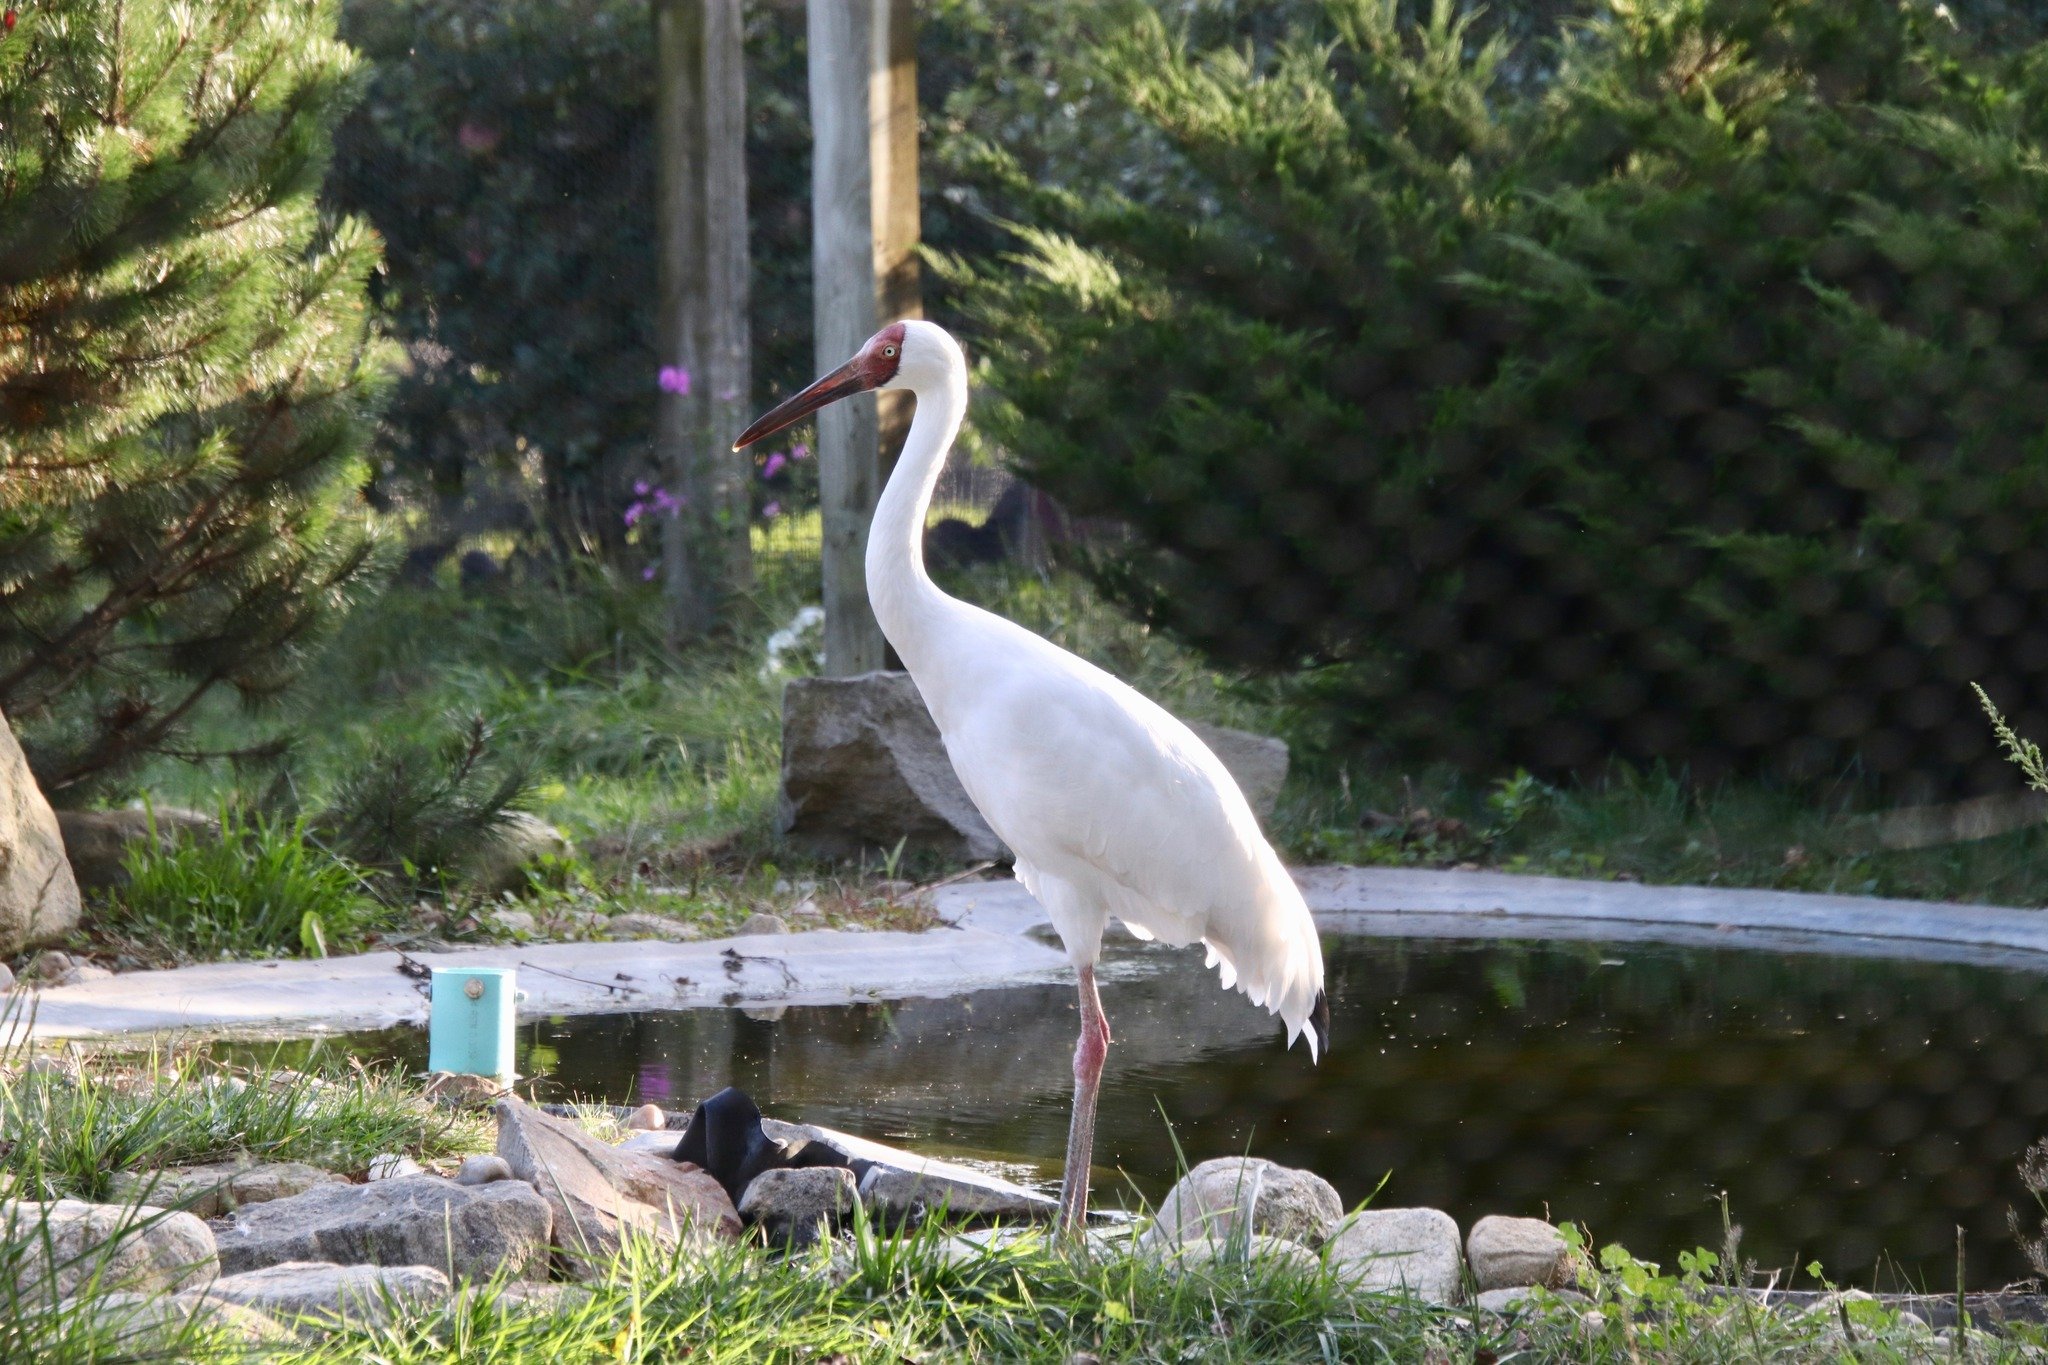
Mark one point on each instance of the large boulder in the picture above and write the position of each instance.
(863, 767)
(1516, 1253)
(470, 1230)
(68, 1243)
(324, 1292)
(98, 840)
(1235, 1195)
(1206, 1252)
(600, 1194)
(210, 1191)
(38, 893)
(1400, 1251)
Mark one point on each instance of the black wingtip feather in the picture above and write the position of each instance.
(1319, 1019)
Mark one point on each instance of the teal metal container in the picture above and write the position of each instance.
(469, 1021)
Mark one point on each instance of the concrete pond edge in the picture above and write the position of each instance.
(993, 934)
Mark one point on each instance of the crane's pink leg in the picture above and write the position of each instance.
(1089, 1053)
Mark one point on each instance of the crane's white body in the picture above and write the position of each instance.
(1111, 805)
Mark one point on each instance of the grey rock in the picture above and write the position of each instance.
(411, 1220)
(1522, 1299)
(483, 1169)
(1507, 1253)
(394, 1166)
(52, 968)
(1411, 1251)
(515, 921)
(159, 1326)
(326, 1293)
(212, 1190)
(794, 1207)
(638, 925)
(1232, 1196)
(660, 1143)
(762, 923)
(1209, 1251)
(863, 766)
(68, 1242)
(905, 1186)
(97, 841)
(6, 977)
(916, 1194)
(600, 1194)
(519, 843)
(1258, 762)
(37, 889)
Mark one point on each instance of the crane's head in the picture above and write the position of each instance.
(872, 367)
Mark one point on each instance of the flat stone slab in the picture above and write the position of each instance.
(995, 934)
(368, 991)
(1388, 902)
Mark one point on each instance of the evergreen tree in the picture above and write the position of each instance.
(1684, 405)
(188, 373)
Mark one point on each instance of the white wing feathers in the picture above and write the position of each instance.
(1113, 807)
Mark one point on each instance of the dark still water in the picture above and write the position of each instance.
(1855, 1111)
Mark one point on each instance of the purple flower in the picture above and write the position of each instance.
(640, 487)
(667, 504)
(675, 379)
(647, 574)
(771, 511)
(773, 465)
(633, 512)
(799, 451)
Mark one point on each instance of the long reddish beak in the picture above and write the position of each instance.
(837, 385)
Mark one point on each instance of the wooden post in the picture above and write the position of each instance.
(892, 95)
(863, 75)
(841, 38)
(703, 332)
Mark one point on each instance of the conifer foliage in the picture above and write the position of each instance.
(1678, 393)
(188, 374)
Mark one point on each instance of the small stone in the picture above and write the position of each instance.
(637, 925)
(82, 972)
(6, 977)
(794, 1207)
(1413, 1251)
(363, 1294)
(648, 1117)
(762, 923)
(1508, 1302)
(394, 1165)
(806, 909)
(48, 966)
(1508, 1253)
(515, 922)
(483, 1169)
(1232, 1196)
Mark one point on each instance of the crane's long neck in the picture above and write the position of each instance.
(906, 601)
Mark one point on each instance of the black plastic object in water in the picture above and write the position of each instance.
(726, 1139)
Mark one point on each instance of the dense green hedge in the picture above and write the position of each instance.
(1687, 405)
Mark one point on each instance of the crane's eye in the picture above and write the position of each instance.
(889, 352)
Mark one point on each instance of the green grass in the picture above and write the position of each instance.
(68, 1129)
(263, 889)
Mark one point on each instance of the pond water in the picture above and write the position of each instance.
(1855, 1111)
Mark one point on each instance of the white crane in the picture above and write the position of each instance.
(1111, 805)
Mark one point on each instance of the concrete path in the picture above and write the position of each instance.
(997, 935)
